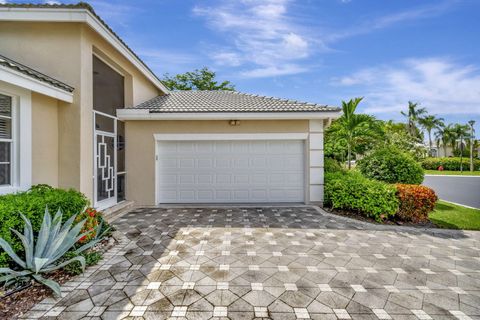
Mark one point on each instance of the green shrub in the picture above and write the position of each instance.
(449, 164)
(32, 204)
(391, 165)
(332, 165)
(352, 191)
(416, 202)
(75, 268)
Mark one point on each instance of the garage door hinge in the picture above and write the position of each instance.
(156, 157)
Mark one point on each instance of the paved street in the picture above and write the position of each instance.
(276, 263)
(463, 190)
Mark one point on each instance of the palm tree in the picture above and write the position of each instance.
(429, 123)
(355, 126)
(445, 134)
(461, 131)
(413, 115)
(471, 123)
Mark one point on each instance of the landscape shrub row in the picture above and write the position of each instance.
(376, 199)
(449, 164)
(32, 204)
(352, 191)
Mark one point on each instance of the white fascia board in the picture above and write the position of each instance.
(229, 136)
(24, 81)
(140, 114)
(82, 16)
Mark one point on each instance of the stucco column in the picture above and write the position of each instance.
(315, 151)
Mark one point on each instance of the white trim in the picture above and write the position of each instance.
(459, 204)
(82, 16)
(143, 114)
(21, 178)
(22, 80)
(228, 136)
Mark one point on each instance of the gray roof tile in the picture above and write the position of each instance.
(226, 101)
(9, 63)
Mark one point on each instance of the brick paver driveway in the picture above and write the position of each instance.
(280, 263)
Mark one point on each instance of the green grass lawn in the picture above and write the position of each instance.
(451, 216)
(449, 173)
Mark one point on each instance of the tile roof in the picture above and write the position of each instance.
(226, 101)
(9, 63)
(79, 5)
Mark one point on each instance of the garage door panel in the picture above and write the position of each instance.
(230, 171)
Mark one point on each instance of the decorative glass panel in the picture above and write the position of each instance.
(5, 106)
(120, 146)
(105, 167)
(4, 174)
(120, 187)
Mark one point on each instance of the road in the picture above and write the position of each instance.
(459, 189)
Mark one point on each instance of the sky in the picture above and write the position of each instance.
(321, 51)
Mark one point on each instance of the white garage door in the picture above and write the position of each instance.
(230, 171)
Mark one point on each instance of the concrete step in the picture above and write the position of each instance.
(118, 210)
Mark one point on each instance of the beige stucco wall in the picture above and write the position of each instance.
(140, 146)
(64, 52)
(44, 140)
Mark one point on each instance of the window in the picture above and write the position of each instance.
(6, 140)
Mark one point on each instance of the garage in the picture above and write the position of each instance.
(190, 147)
(230, 171)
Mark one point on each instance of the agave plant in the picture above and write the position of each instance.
(44, 256)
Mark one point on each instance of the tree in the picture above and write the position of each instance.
(413, 115)
(429, 123)
(354, 129)
(396, 134)
(199, 79)
(444, 135)
(460, 132)
(471, 123)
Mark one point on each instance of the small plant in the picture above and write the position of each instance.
(44, 256)
(391, 165)
(332, 165)
(75, 268)
(416, 202)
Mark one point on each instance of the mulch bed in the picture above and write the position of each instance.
(360, 217)
(16, 304)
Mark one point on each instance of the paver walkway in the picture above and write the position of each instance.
(279, 263)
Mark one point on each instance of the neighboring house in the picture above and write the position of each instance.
(439, 150)
(79, 109)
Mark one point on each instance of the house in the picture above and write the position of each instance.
(79, 109)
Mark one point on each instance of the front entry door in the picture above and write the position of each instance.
(105, 170)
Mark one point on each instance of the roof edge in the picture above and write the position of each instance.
(63, 13)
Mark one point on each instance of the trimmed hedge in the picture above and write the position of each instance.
(449, 164)
(352, 191)
(391, 165)
(416, 202)
(332, 165)
(32, 204)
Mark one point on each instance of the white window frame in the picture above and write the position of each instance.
(21, 150)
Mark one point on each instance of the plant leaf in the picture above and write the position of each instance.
(49, 283)
(43, 234)
(63, 264)
(39, 263)
(8, 249)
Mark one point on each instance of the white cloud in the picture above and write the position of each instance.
(3, 1)
(262, 37)
(373, 24)
(52, 2)
(272, 71)
(441, 85)
(168, 61)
